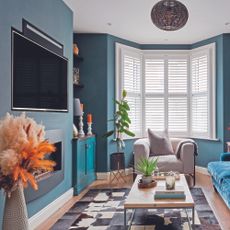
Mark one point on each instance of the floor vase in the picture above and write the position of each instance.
(15, 213)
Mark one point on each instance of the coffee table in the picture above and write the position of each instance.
(144, 199)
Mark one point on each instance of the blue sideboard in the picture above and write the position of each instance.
(83, 163)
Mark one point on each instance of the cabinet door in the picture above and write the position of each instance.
(90, 154)
(81, 159)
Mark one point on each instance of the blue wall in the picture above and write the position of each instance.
(93, 74)
(54, 18)
(208, 149)
(111, 145)
(226, 66)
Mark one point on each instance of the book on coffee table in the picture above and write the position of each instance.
(162, 193)
(169, 196)
(163, 190)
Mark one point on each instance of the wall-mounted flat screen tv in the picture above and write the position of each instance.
(39, 77)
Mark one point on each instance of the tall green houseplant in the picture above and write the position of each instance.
(121, 122)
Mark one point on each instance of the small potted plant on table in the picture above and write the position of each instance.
(146, 167)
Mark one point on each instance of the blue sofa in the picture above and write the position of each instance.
(220, 172)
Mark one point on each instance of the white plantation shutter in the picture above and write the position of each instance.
(177, 75)
(155, 113)
(132, 84)
(178, 115)
(178, 95)
(169, 89)
(154, 75)
(200, 104)
(135, 114)
(166, 107)
(154, 94)
(132, 74)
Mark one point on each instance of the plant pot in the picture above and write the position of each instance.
(117, 161)
(15, 212)
(147, 179)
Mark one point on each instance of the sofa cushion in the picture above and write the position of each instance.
(159, 144)
(169, 163)
(219, 170)
(223, 189)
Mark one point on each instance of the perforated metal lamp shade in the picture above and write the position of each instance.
(169, 15)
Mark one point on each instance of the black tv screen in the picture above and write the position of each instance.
(39, 77)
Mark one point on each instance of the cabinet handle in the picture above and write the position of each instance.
(86, 159)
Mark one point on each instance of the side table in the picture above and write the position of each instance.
(117, 167)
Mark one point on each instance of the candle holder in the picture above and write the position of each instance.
(81, 124)
(170, 181)
(89, 133)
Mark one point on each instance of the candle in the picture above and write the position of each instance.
(82, 106)
(170, 181)
(89, 118)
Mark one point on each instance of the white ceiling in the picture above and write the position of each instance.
(130, 19)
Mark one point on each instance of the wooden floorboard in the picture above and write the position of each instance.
(221, 211)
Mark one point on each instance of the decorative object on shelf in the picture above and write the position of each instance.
(75, 131)
(75, 49)
(78, 111)
(170, 181)
(121, 122)
(76, 76)
(146, 166)
(89, 118)
(169, 15)
(89, 122)
(23, 151)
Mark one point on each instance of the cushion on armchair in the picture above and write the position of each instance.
(159, 144)
(225, 156)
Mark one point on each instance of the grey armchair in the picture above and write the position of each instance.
(184, 162)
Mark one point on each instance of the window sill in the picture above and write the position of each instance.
(206, 139)
(130, 138)
(197, 138)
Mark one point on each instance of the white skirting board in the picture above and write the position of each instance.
(105, 175)
(50, 209)
(202, 170)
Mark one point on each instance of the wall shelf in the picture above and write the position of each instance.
(80, 86)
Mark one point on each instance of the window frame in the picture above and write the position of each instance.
(120, 49)
(210, 51)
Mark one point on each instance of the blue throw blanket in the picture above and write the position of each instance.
(219, 170)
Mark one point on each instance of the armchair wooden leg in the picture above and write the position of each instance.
(193, 176)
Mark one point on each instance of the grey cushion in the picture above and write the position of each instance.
(159, 143)
(169, 163)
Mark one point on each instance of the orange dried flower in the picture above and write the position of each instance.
(23, 151)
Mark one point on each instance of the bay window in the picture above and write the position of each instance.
(172, 90)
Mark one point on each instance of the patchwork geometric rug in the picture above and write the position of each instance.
(103, 209)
